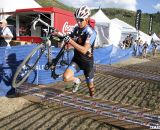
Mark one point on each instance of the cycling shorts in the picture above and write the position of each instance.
(87, 68)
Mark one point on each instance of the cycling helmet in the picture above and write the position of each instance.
(82, 12)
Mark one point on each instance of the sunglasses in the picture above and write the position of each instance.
(80, 20)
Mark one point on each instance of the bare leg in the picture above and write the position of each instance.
(68, 76)
(91, 88)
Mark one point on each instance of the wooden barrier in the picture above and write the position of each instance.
(114, 113)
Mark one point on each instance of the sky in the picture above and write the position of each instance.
(146, 6)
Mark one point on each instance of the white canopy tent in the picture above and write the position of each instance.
(119, 30)
(125, 27)
(12, 5)
(100, 17)
(111, 31)
(102, 28)
(155, 37)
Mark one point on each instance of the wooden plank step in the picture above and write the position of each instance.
(107, 111)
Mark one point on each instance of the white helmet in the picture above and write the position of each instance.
(82, 12)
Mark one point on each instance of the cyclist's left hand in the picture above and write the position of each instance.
(55, 33)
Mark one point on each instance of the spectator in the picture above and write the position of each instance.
(22, 30)
(138, 41)
(5, 34)
(122, 44)
(140, 46)
(144, 50)
(128, 41)
(154, 46)
(134, 46)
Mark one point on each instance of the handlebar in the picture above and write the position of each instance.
(38, 19)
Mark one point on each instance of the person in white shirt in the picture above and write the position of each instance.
(5, 34)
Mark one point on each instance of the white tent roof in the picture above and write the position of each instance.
(145, 37)
(123, 25)
(101, 27)
(100, 17)
(155, 38)
(12, 5)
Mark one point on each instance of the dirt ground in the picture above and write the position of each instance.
(9, 106)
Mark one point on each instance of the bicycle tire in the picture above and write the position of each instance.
(18, 82)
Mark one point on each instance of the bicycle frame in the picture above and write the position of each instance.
(51, 62)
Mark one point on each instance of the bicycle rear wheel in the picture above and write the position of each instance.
(27, 66)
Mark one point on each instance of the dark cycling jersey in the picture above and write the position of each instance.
(80, 35)
(83, 61)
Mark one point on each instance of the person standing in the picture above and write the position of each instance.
(5, 34)
(82, 39)
(135, 46)
(154, 47)
(144, 50)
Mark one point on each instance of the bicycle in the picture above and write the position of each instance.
(29, 63)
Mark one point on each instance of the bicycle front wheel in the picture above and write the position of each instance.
(27, 66)
(62, 63)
